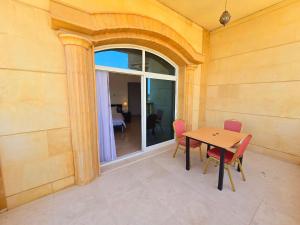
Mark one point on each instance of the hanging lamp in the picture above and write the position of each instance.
(225, 17)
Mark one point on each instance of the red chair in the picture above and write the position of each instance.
(229, 159)
(179, 129)
(233, 125)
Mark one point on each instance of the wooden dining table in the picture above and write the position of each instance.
(215, 137)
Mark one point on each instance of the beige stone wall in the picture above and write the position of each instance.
(35, 142)
(36, 156)
(254, 76)
(2, 193)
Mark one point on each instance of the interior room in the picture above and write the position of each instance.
(150, 112)
(125, 95)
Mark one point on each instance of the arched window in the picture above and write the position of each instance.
(158, 76)
(156, 64)
(132, 59)
(123, 58)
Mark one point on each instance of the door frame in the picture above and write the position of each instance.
(144, 75)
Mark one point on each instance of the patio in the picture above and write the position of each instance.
(158, 190)
(195, 64)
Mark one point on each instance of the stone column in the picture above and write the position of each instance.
(192, 96)
(82, 106)
(2, 193)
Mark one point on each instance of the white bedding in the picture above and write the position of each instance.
(118, 119)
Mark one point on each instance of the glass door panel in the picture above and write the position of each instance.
(160, 110)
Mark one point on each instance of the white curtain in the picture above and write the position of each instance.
(106, 137)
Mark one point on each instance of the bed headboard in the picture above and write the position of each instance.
(119, 107)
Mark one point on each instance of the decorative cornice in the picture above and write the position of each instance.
(100, 26)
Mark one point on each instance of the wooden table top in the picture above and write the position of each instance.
(217, 137)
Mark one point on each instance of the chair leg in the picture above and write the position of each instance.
(234, 164)
(206, 165)
(230, 178)
(176, 150)
(241, 169)
(200, 152)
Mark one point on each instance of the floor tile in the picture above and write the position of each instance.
(159, 191)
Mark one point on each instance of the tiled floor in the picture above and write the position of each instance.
(158, 191)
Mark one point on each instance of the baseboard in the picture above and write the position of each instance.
(26, 196)
(276, 154)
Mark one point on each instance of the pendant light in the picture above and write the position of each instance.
(225, 17)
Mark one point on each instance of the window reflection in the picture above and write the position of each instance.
(160, 110)
(156, 64)
(120, 58)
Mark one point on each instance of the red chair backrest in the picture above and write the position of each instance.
(179, 128)
(233, 125)
(243, 146)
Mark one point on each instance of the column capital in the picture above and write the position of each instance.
(73, 39)
(191, 67)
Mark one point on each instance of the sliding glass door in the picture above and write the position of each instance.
(158, 76)
(160, 110)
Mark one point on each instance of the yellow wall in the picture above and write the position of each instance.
(254, 76)
(35, 150)
(2, 193)
(35, 142)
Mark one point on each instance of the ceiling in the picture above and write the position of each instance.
(206, 13)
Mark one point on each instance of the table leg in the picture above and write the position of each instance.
(208, 147)
(241, 160)
(187, 153)
(221, 170)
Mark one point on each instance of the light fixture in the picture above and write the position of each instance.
(225, 17)
(125, 106)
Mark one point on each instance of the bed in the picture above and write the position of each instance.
(117, 116)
